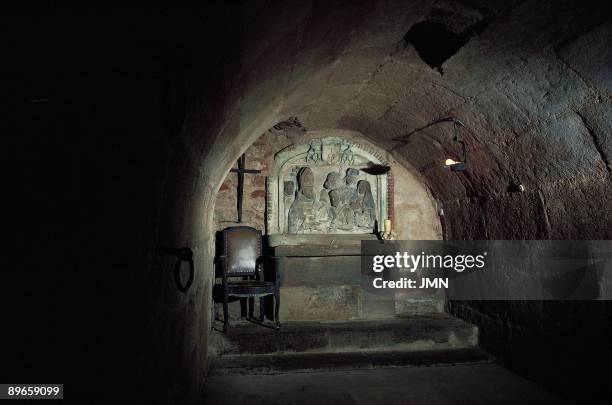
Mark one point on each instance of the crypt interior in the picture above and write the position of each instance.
(138, 135)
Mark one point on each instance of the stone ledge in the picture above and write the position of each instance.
(317, 245)
(318, 239)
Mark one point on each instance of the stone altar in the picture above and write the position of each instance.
(320, 205)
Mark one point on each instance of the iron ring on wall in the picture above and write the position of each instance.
(177, 273)
(182, 254)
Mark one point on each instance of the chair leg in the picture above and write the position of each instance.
(276, 307)
(251, 307)
(243, 308)
(225, 313)
(262, 314)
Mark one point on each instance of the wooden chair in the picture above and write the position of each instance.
(241, 262)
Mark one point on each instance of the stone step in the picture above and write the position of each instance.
(417, 333)
(264, 364)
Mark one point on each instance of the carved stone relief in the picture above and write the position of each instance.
(318, 188)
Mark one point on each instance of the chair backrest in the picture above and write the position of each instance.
(242, 249)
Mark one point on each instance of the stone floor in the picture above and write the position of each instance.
(458, 384)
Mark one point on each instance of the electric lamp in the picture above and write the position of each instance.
(451, 164)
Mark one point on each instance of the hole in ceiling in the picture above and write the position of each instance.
(434, 42)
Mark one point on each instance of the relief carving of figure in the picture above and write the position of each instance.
(315, 187)
(342, 199)
(347, 157)
(315, 152)
(364, 206)
(332, 182)
(289, 189)
(307, 213)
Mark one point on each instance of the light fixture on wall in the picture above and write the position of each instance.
(452, 164)
(516, 186)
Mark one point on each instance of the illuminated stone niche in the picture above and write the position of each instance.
(320, 187)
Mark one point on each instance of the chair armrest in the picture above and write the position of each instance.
(274, 260)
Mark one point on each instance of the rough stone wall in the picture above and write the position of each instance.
(93, 127)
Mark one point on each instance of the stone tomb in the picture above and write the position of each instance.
(320, 205)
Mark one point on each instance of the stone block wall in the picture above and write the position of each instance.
(258, 157)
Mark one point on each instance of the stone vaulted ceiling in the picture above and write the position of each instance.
(530, 79)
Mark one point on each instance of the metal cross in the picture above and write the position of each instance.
(241, 171)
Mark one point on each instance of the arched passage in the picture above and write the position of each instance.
(132, 131)
(544, 135)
